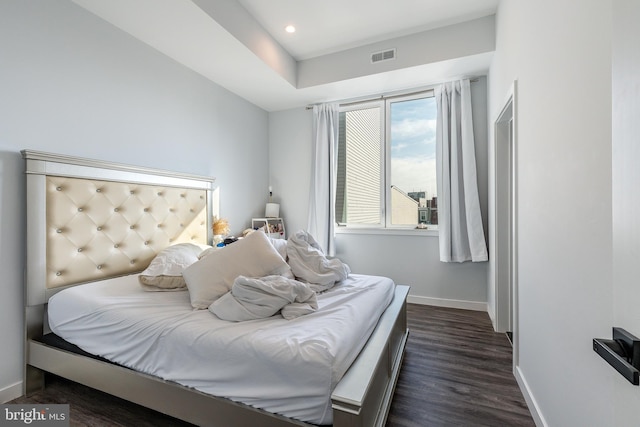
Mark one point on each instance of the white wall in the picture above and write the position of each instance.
(72, 84)
(412, 260)
(290, 160)
(560, 53)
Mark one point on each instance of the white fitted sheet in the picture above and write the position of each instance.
(288, 367)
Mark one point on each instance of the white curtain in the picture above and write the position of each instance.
(459, 218)
(323, 176)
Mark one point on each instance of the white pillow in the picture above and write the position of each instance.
(213, 275)
(165, 270)
(280, 245)
(208, 251)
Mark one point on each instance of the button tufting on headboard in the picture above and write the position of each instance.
(100, 229)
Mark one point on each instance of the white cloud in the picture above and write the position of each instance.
(414, 174)
(410, 128)
(399, 147)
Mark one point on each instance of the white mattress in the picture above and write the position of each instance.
(288, 367)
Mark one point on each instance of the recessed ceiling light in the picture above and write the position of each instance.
(290, 29)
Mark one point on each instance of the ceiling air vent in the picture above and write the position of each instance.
(385, 55)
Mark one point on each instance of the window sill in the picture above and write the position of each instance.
(388, 231)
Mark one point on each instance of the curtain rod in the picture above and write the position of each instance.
(382, 97)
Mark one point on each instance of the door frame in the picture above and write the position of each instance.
(505, 208)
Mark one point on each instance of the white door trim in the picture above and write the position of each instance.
(506, 214)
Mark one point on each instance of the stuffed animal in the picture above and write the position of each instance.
(220, 226)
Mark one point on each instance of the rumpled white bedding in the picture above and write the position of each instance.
(289, 367)
(309, 264)
(257, 298)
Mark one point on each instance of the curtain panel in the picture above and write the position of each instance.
(322, 193)
(460, 227)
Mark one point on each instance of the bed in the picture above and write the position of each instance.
(93, 226)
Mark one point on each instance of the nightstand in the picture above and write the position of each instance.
(274, 226)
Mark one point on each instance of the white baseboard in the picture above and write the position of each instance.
(11, 392)
(528, 397)
(450, 303)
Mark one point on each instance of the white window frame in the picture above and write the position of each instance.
(385, 226)
(363, 106)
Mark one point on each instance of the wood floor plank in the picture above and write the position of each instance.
(456, 372)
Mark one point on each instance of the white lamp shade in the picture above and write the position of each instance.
(272, 210)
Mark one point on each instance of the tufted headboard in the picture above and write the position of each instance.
(89, 220)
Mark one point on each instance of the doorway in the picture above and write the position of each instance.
(506, 220)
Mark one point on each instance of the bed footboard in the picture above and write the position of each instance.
(364, 395)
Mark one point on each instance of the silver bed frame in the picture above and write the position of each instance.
(362, 398)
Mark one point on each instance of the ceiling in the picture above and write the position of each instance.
(329, 26)
(242, 46)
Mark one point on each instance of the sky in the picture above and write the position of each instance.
(413, 145)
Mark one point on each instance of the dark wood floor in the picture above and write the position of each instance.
(456, 372)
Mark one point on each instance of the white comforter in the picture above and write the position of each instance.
(309, 264)
(258, 298)
(288, 367)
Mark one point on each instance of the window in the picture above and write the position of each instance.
(386, 163)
